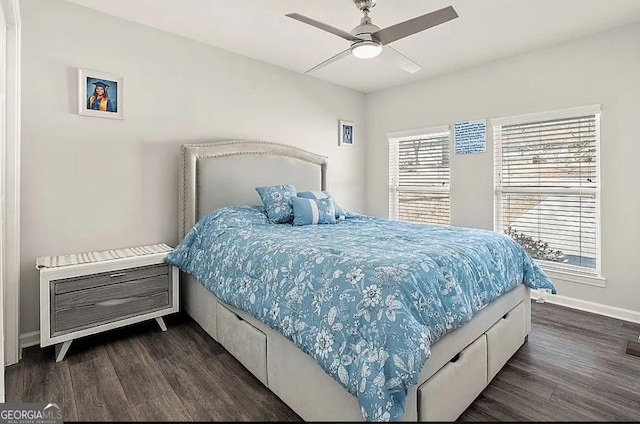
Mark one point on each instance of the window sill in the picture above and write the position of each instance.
(574, 277)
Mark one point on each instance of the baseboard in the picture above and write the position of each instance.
(29, 339)
(584, 305)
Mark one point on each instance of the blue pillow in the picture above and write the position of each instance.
(313, 211)
(340, 212)
(277, 202)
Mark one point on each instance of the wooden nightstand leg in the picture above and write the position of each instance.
(61, 350)
(161, 323)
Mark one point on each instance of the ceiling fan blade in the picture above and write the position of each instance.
(323, 26)
(330, 60)
(415, 25)
(394, 57)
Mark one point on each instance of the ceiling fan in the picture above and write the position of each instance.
(369, 41)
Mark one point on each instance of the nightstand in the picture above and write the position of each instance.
(110, 289)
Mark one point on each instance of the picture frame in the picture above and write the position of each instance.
(346, 133)
(100, 94)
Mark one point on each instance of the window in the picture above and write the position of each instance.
(419, 176)
(547, 184)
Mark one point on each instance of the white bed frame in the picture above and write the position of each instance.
(462, 363)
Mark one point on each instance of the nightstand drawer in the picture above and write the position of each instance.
(107, 278)
(107, 311)
(128, 289)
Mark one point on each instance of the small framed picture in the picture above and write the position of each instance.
(346, 133)
(100, 94)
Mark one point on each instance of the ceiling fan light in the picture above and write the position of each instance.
(366, 49)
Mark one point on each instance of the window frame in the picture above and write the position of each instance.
(567, 272)
(412, 134)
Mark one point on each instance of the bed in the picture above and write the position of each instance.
(216, 177)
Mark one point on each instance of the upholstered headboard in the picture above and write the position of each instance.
(226, 173)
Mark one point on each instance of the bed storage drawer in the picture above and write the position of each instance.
(452, 389)
(504, 338)
(245, 342)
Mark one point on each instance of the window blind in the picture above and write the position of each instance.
(547, 188)
(419, 178)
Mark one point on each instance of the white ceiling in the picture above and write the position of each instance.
(486, 30)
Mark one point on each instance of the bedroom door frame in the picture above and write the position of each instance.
(3, 143)
(10, 184)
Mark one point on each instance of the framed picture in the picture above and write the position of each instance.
(100, 94)
(346, 133)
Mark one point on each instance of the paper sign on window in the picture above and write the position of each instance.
(471, 136)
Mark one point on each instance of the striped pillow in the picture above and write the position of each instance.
(313, 211)
(340, 212)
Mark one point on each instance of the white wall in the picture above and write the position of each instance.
(603, 68)
(92, 184)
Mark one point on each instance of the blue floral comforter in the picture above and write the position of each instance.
(366, 297)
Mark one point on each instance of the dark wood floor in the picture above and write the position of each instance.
(572, 369)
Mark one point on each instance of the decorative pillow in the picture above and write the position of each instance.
(277, 202)
(340, 212)
(313, 211)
